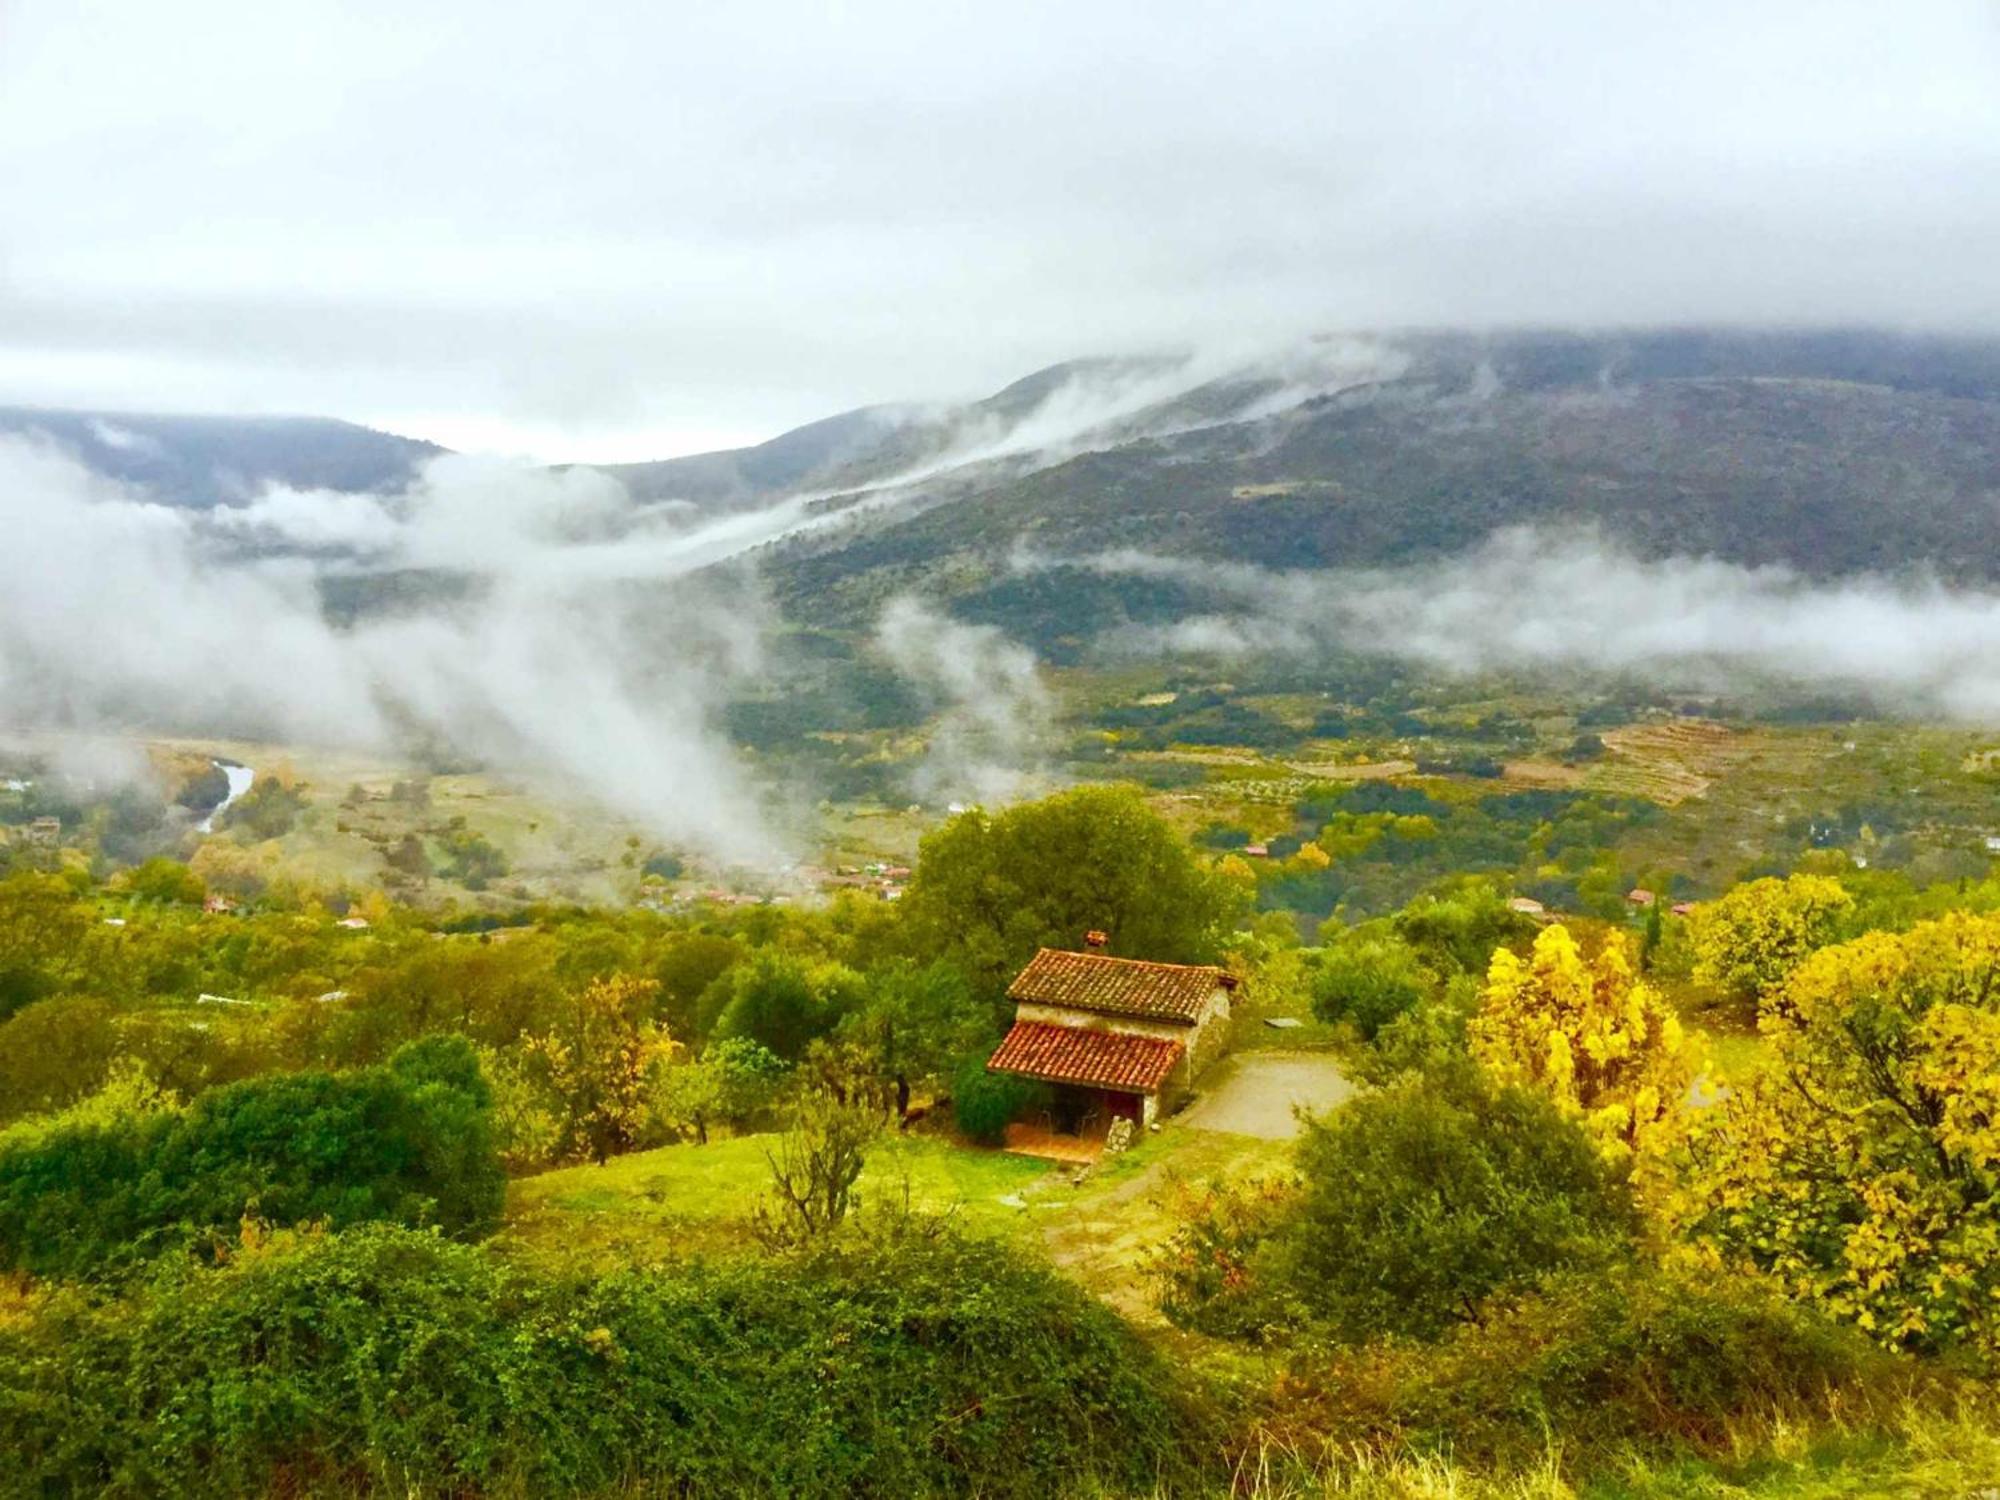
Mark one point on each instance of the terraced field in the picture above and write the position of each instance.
(1669, 761)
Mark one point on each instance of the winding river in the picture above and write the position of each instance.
(240, 778)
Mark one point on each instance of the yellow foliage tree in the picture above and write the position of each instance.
(1750, 940)
(1236, 868)
(593, 1063)
(1588, 1032)
(1861, 1167)
(1311, 859)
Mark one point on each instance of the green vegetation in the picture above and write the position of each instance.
(533, 1197)
(990, 890)
(408, 1143)
(384, 1361)
(1418, 1203)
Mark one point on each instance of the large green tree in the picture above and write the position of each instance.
(915, 1023)
(991, 888)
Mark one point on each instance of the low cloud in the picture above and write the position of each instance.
(993, 710)
(583, 654)
(1530, 601)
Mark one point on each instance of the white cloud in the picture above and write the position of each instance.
(695, 220)
(119, 613)
(993, 708)
(1529, 601)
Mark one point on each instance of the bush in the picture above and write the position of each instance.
(385, 1361)
(167, 881)
(1367, 982)
(1207, 1272)
(1424, 1199)
(986, 1103)
(1600, 1365)
(780, 1004)
(269, 810)
(410, 1143)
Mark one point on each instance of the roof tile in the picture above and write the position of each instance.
(1117, 986)
(1078, 1054)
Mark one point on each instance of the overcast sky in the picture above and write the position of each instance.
(628, 230)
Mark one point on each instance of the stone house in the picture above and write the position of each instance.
(1114, 1037)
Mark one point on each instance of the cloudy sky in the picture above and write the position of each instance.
(628, 230)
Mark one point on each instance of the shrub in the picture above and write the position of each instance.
(1751, 940)
(1639, 1360)
(1208, 1272)
(815, 1164)
(986, 1103)
(269, 810)
(409, 1143)
(1857, 1166)
(1367, 982)
(393, 1362)
(168, 881)
(1422, 1200)
(780, 1003)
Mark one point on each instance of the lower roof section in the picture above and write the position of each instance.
(1082, 1055)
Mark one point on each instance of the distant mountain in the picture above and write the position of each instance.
(204, 461)
(789, 461)
(873, 444)
(1831, 453)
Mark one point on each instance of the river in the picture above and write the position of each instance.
(240, 778)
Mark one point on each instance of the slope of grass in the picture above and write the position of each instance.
(681, 1199)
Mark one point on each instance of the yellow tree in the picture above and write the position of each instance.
(592, 1064)
(1588, 1032)
(1310, 860)
(1861, 1166)
(1750, 940)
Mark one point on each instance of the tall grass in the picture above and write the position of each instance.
(1914, 1451)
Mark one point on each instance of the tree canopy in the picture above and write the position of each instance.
(1587, 1032)
(990, 889)
(1749, 940)
(1862, 1166)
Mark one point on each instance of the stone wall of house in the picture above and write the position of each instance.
(1203, 1040)
(1090, 1020)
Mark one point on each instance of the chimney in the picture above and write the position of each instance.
(1094, 939)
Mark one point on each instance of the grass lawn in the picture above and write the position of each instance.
(682, 1200)
(679, 1199)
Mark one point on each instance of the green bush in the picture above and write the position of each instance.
(1415, 1204)
(984, 1103)
(1367, 982)
(387, 1361)
(410, 1142)
(269, 810)
(1601, 1365)
(168, 881)
(1424, 1199)
(780, 1003)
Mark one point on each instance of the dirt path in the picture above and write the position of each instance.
(1112, 1231)
(1236, 1131)
(1255, 1093)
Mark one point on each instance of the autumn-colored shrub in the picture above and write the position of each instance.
(1748, 941)
(1587, 1032)
(1861, 1168)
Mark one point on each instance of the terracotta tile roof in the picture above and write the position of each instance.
(1118, 986)
(1077, 1054)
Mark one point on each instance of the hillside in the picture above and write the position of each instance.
(209, 460)
(1833, 455)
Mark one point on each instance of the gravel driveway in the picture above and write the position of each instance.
(1253, 1093)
